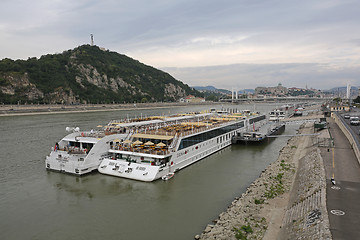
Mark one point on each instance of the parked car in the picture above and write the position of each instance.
(354, 121)
(347, 116)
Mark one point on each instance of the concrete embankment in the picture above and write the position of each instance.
(287, 201)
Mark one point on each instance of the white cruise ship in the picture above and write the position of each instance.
(162, 148)
(277, 115)
(80, 152)
(282, 113)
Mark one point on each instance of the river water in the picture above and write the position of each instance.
(37, 204)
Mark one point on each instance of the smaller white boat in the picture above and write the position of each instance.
(168, 176)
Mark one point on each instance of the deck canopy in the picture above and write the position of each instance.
(148, 143)
(134, 124)
(137, 142)
(152, 136)
(223, 119)
(237, 116)
(161, 144)
(198, 124)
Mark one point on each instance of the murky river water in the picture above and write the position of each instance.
(36, 204)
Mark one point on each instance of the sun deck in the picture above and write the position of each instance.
(160, 138)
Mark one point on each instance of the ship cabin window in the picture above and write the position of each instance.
(166, 160)
(201, 137)
(74, 144)
(87, 146)
(259, 118)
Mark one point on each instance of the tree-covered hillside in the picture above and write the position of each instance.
(86, 74)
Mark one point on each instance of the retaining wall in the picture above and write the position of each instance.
(354, 143)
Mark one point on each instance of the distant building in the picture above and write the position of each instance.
(305, 92)
(194, 99)
(278, 91)
(339, 108)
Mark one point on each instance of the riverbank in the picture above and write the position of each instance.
(287, 201)
(32, 109)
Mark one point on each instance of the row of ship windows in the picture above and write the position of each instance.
(225, 137)
(207, 152)
(199, 138)
(257, 119)
(218, 140)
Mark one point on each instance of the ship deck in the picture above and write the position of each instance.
(159, 138)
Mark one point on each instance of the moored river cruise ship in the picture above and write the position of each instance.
(81, 152)
(159, 148)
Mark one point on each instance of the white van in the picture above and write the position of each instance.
(354, 121)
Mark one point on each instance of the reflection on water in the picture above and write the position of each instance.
(51, 205)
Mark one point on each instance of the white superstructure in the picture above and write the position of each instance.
(277, 115)
(81, 152)
(168, 146)
(282, 112)
(78, 152)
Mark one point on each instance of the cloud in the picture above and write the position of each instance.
(242, 76)
(284, 40)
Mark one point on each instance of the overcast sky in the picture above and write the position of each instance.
(224, 43)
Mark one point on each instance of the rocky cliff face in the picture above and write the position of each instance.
(90, 74)
(14, 83)
(174, 91)
(86, 74)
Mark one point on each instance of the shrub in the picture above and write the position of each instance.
(259, 201)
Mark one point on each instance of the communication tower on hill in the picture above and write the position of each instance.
(92, 40)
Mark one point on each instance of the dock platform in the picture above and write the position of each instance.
(268, 129)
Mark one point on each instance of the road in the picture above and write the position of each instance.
(343, 203)
(352, 128)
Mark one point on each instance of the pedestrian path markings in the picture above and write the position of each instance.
(337, 212)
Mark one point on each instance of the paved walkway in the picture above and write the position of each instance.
(302, 118)
(343, 199)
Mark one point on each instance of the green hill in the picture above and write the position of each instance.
(86, 74)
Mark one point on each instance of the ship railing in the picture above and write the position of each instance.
(174, 142)
(141, 149)
(182, 132)
(65, 157)
(128, 136)
(93, 134)
(71, 150)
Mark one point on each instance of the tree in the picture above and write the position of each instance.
(337, 100)
(357, 99)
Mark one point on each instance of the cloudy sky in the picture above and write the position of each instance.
(224, 43)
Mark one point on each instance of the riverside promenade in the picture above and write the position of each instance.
(309, 205)
(287, 201)
(343, 204)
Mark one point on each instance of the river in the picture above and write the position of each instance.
(37, 204)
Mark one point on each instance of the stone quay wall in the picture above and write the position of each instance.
(287, 201)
